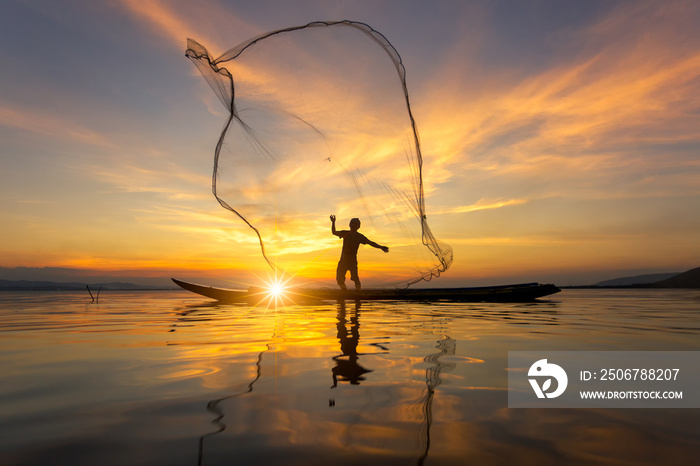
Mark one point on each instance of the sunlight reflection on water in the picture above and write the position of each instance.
(169, 378)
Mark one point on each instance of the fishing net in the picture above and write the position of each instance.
(320, 123)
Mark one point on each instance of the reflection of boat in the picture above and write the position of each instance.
(504, 293)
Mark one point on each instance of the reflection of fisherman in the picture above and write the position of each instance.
(348, 370)
(348, 259)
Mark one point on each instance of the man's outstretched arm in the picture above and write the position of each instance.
(375, 245)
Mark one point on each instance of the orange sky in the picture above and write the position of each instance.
(560, 140)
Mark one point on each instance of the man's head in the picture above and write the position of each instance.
(354, 224)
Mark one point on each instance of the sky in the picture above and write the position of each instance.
(560, 139)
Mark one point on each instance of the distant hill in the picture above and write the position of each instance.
(689, 279)
(30, 285)
(73, 277)
(637, 280)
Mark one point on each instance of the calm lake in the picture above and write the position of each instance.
(168, 378)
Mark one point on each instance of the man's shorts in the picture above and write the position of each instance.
(343, 267)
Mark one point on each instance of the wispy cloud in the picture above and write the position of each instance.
(168, 180)
(163, 18)
(51, 125)
(177, 21)
(482, 204)
(616, 108)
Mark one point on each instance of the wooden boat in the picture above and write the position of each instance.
(505, 293)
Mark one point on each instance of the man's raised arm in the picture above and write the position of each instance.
(333, 225)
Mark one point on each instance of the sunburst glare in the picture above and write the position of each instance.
(277, 290)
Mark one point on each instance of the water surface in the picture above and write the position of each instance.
(168, 378)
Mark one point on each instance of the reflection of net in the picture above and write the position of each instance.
(432, 380)
(318, 124)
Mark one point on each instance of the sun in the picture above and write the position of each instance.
(279, 289)
(276, 290)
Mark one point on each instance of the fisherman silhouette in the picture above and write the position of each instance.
(348, 258)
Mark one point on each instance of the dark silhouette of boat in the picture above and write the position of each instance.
(504, 293)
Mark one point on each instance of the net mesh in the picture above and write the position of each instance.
(319, 122)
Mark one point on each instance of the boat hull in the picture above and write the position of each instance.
(505, 293)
